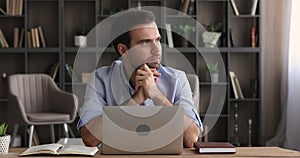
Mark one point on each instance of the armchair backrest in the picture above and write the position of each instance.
(194, 83)
(32, 90)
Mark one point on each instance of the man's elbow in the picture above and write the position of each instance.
(188, 141)
(88, 138)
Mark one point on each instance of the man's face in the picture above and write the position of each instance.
(145, 46)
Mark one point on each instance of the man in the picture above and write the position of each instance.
(137, 78)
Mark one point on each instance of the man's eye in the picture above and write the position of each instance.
(144, 42)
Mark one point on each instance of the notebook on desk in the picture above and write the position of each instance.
(142, 130)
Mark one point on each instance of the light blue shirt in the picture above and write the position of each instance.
(108, 86)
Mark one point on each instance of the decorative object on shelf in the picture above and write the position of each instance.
(4, 75)
(231, 38)
(250, 132)
(101, 8)
(212, 35)
(186, 30)
(169, 35)
(71, 73)
(4, 139)
(236, 141)
(214, 72)
(253, 88)
(253, 41)
(85, 76)
(111, 11)
(80, 39)
(191, 9)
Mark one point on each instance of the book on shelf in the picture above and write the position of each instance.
(2, 11)
(214, 147)
(239, 89)
(37, 39)
(14, 7)
(184, 6)
(29, 39)
(3, 40)
(53, 69)
(71, 73)
(21, 38)
(234, 88)
(254, 7)
(234, 8)
(42, 37)
(169, 36)
(238, 93)
(33, 40)
(59, 149)
(16, 37)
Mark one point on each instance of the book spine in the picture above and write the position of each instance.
(42, 37)
(20, 7)
(238, 87)
(29, 39)
(21, 38)
(16, 37)
(33, 38)
(5, 44)
(37, 40)
(2, 11)
(234, 7)
(8, 7)
(185, 6)
(254, 6)
(233, 84)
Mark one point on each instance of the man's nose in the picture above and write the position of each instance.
(155, 47)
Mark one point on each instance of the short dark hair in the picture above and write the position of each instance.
(125, 22)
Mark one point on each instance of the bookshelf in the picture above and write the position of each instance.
(59, 18)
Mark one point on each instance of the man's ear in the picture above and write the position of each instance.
(122, 48)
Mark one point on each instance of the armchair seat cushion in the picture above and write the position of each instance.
(48, 117)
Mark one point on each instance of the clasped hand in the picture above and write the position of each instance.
(146, 80)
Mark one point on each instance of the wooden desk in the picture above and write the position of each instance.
(190, 152)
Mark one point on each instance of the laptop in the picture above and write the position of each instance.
(142, 130)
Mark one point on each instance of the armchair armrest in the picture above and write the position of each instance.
(16, 107)
(64, 102)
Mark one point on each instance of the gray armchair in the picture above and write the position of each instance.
(194, 83)
(35, 99)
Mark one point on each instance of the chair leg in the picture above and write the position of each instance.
(30, 135)
(66, 130)
(14, 135)
(71, 132)
(52, 133)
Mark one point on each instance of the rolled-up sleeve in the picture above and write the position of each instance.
(183, 98)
